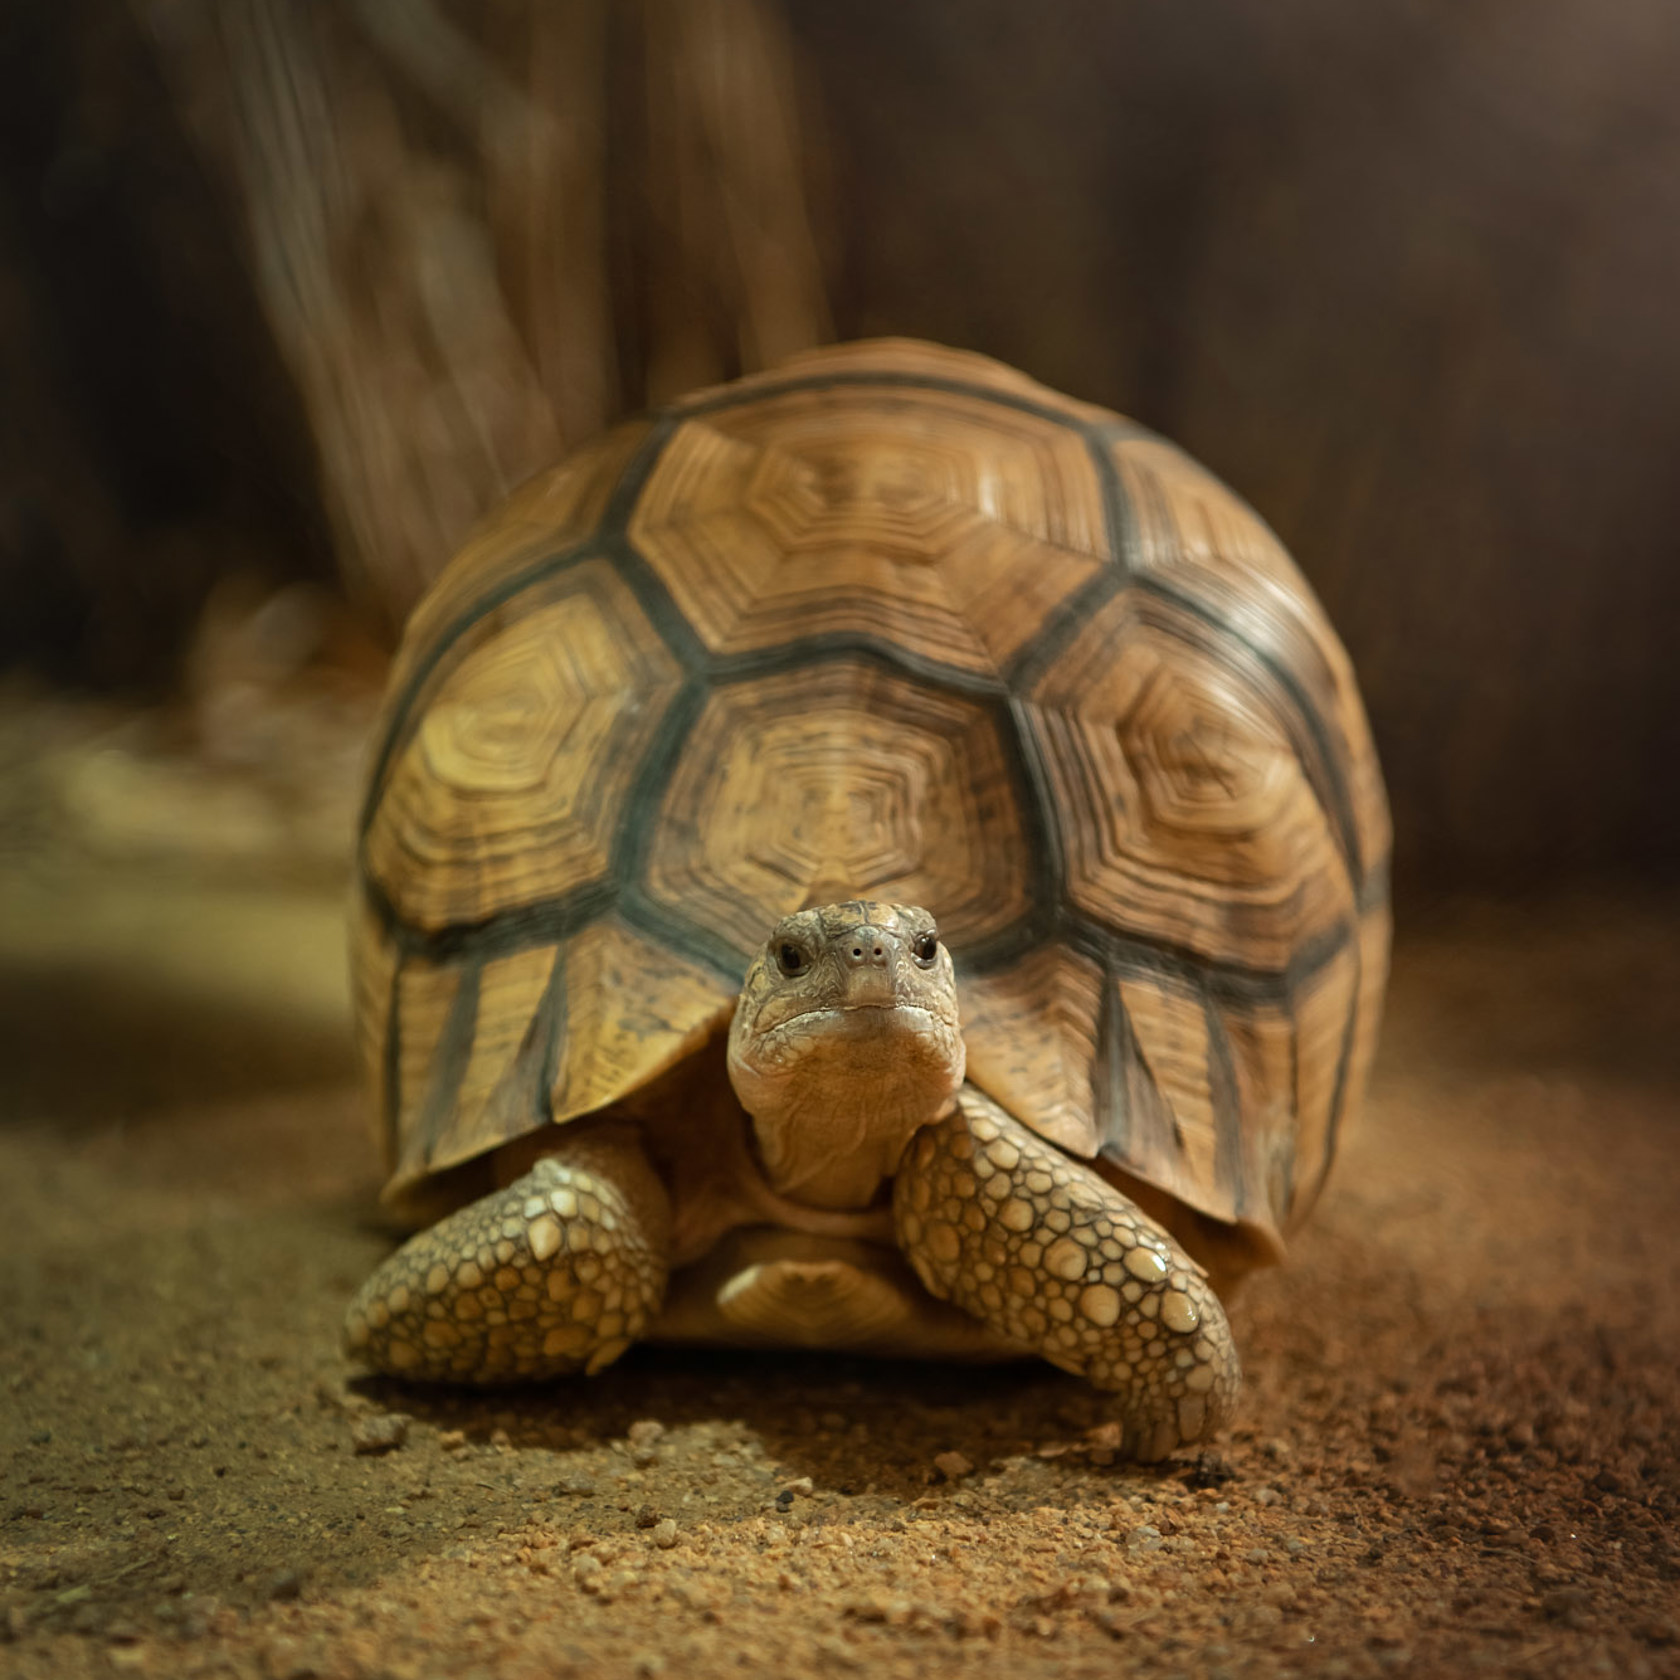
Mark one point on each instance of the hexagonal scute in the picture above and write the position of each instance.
(1189, 816)
(508, 790)
(943, 522)
(1193, 536)
(837, 780)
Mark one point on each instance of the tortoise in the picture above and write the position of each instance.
(886, 678)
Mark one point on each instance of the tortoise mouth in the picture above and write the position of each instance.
(854, 1019)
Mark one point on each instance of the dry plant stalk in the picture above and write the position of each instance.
(430, 207)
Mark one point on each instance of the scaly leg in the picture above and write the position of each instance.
(1043, 1251)
(556, 1273)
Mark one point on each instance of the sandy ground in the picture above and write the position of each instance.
(1457, 1453)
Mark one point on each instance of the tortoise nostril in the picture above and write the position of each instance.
(870, 952)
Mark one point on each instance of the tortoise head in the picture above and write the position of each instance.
(845, 1041)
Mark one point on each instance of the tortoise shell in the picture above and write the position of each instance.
(895, 622)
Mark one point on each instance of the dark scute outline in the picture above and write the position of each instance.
(1133, 958)
(1333, 796)
(1111, 1100)
(655, 600)
(1374, 889)
(739, 395)
(517, 928)
(390, 1070)
(1344, 1061)
(824, 645)
(1229, 1164)
(636, 905)
(450, 1057)
(557, 1009)
(1031, 662)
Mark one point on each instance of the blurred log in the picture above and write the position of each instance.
(431, 210)
(736, 285)
(148, 437)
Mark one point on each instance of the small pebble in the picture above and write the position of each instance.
(645, 1432)
(953, 1466)
(647, 1517)
(452, 1440)
(575, 1487)
(665, 1533)
(285, 1586)
(379, 1432)
(1567, 1603)
(801, 1485)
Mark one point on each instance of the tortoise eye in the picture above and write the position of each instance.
(790, 959)
(926, 947)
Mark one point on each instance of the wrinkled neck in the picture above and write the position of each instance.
(835, 1095)
(836, 1149)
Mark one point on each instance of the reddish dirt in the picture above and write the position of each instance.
(1457, 1453)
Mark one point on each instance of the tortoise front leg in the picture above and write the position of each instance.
(1043, 1251)
(556, 1273)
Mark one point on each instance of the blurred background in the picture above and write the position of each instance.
(292, 294)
